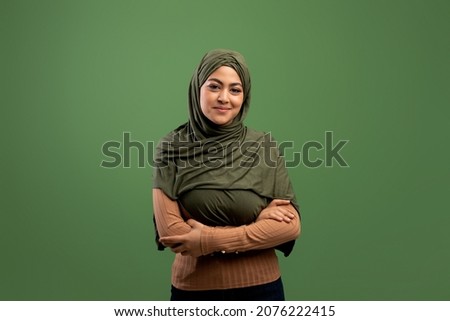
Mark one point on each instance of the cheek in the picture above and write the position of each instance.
(203, 100)
(238, 101)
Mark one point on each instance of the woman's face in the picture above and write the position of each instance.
(221, 96)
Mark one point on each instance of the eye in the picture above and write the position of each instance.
(236, 90)
(213, 87)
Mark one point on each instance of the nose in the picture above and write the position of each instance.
(223, 97)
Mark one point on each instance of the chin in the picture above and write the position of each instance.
(221, 122)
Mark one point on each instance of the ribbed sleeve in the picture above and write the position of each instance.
(263, 234)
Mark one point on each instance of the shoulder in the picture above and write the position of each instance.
(266, 141)
(261, 136)
(177, 134)
(253, 134)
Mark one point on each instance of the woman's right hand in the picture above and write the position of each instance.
(278, 210)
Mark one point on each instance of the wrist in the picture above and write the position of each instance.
(204, 236)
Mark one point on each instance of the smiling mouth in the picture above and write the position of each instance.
(222, 108)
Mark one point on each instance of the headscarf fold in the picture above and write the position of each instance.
(201, 154)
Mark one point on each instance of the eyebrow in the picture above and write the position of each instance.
(220, 82)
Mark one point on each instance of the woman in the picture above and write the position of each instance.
(222, 197)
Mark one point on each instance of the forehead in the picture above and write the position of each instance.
(225, 74)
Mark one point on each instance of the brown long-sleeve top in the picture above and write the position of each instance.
(253, 263)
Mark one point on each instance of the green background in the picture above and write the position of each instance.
(76, 74)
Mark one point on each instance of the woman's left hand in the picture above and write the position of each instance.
(186, 244)
(278, 210)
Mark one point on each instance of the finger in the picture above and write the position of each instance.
(280, 218)
(276, 217)
(193, 223)
(278, 202)
(170, 240)
(171, 244)
(284, 215)
(286, 210)
(285, 218)
(178, 248)
(289, 214)
(281, 211)
(291, 209)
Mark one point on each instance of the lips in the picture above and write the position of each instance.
(222, 109)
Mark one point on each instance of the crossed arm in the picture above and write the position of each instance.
(276, 224)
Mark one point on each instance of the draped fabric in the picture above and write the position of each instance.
(202, 155)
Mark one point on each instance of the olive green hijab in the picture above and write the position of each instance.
(202, 127)
(202, 155)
